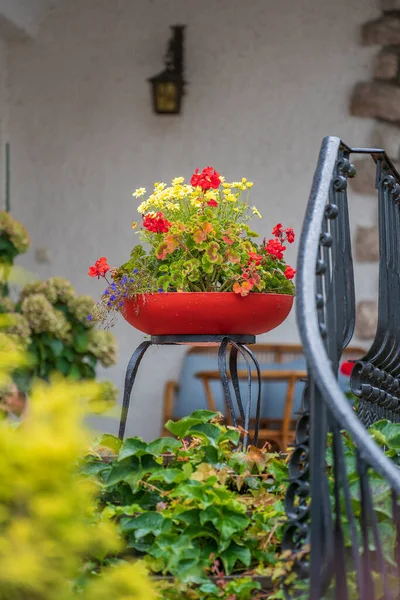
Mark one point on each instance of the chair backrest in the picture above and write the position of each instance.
(274, 356)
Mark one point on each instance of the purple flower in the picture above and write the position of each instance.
(160, 290)
(113, 286)
(108, 303)
(131, 280)
(106, 292)
(136, 270)
(112, 297)
(121, 303)
(124, 279)
(89, 318)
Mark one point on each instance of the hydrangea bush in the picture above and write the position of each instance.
(50, 320)
(197, 238)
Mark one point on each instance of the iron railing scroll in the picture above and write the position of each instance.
(331, 500)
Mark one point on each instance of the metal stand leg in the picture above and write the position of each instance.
(244, 413)
(237, 344)
(130, 377)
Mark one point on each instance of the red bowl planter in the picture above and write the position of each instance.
(212, 313)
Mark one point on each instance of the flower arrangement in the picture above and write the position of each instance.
(197, 239)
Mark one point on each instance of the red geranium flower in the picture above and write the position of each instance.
(277, 230)
(346, 368)
(254, 258)
(207, 179)
(283, 235)
(156, 223)
(100, 268)
(275, 248)
(212, 202)
(289, 272)
(289, 235)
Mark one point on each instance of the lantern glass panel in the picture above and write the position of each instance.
(166, 96)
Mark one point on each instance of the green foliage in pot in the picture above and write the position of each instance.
(194, 506)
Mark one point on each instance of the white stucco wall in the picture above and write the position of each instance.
(3, 116)
(267, 80)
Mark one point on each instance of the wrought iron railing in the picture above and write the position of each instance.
(344, 486)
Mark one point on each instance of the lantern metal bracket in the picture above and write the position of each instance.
(168, 86)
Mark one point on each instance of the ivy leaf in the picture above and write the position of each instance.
(162, 445)
(132, 447)
(110, 441)
(234, 553)
(207, 431)
(181, 428)
(390, 431)
(118, 473)
(148, 522)
(172, 475)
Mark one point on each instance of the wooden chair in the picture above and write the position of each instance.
(279, 432)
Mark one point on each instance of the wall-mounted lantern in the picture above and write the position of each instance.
(168, 86)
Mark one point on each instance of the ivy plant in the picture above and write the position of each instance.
(193, 506)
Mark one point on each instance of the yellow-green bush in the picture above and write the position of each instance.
(48, 527)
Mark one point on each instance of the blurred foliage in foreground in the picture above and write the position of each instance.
(49, 531)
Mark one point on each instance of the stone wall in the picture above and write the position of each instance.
(378, 99)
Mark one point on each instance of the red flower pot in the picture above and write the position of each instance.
(202, 313)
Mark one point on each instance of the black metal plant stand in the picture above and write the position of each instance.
(229, 345)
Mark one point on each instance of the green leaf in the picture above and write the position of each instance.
(74, 372)
(149, 522)
(81, 342)
(56, 346)
(63, 366)
(225, 521)
(172, 475)
(181, 428)
(118, 473)
(207, 431)
(390, 431)
(163, 445)
(132, 447)
(234, 553)
(110, 441)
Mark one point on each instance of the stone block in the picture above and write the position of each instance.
(386, 65)
(367, 244)
(387, 136)
(376, 100)
(364, 181)
(366, 319)
(389, 5)
(382, 32)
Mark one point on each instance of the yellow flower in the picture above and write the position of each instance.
(256, 212)
(236, 209)
(226, 185)
(178, 180)
(158, 187)
(231, 197)
(134, 225)
(249, 184)
(227, 191)
(221, 178)
(139, 192)
(244, 179)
